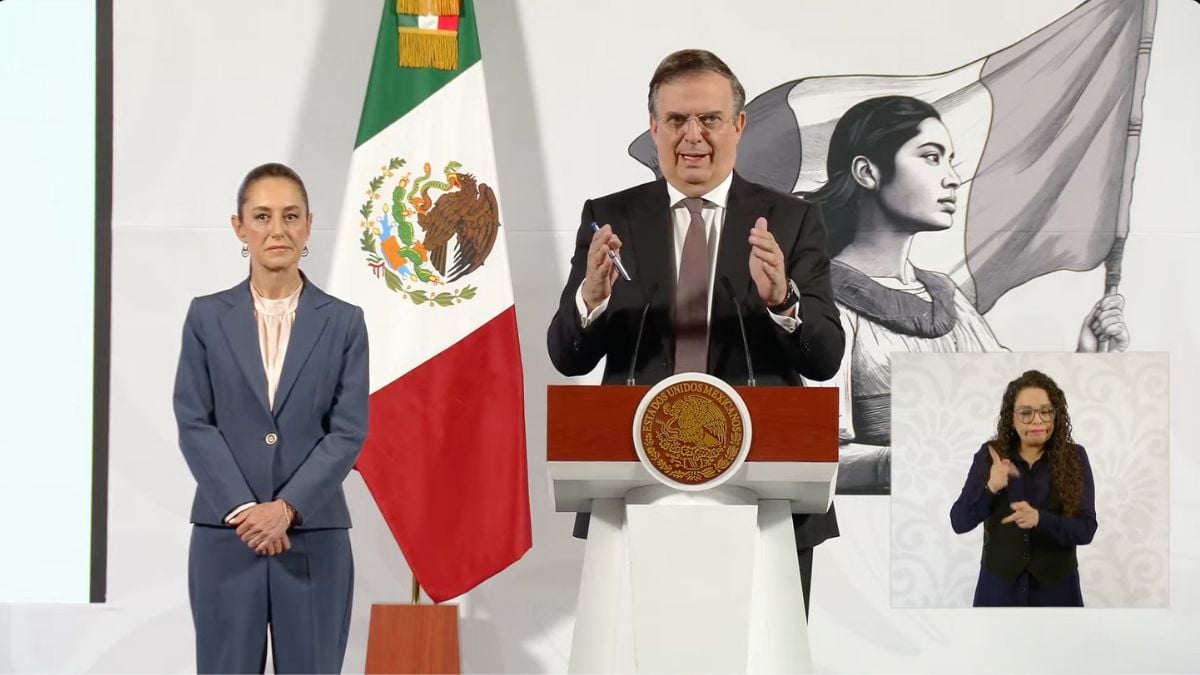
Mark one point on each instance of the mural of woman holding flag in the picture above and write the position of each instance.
(891, 175)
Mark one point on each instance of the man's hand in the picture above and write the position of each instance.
(767, 265)
(1106, 321)
(1024, 515)
(601, 272)
(263, 527)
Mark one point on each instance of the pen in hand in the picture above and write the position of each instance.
(614, 257)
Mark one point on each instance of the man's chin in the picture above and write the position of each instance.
(698, 176)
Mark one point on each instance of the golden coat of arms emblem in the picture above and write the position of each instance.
(692, 429)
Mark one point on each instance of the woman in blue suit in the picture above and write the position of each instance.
(271, 402)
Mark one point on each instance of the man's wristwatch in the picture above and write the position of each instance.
(792, 297)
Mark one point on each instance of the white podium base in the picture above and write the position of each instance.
(699, 582)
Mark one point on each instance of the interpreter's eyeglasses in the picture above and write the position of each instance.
(1026, 414)
(678, 122)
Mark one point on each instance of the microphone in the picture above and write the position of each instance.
(637, 343)
(737, 304)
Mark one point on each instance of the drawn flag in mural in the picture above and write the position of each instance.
(1046, 133)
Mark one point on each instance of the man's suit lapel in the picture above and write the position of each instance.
(733, 262)
(310, 322)
(241, 330)
(651, 236)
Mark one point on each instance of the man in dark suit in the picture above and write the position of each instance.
(681, 238)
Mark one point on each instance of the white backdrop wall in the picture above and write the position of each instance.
(206, 90)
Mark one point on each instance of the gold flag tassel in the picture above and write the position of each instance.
(423, 48)
(416, 591)
(427, 7)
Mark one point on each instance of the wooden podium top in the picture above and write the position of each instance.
(595, 423)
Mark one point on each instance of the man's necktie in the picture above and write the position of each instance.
(691, 295)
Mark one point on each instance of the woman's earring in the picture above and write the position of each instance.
(304, 253)
(245, 250)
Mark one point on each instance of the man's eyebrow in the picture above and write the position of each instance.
(707, 112)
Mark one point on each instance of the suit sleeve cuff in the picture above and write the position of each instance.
(1046, 521)
(783, 318)
(239, 509)
(787, 323)
(585, 318)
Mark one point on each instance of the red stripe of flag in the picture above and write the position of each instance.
(445, 460)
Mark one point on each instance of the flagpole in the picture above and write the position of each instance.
(1112, 265)
(416, 591)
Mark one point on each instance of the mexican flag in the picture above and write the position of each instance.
(421, 247)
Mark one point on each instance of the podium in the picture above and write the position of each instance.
(691, 580)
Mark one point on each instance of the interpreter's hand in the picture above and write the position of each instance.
(263, 527)
(1106, 321)
(1001, 471)
(1024, 515)
(601, 272)
(767, 267)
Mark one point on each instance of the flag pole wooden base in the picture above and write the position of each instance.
(413, 639)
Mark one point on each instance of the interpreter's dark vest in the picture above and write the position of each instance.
(1008, 550)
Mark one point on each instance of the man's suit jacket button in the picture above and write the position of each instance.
(271, 438)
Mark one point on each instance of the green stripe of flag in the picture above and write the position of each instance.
(393, 91)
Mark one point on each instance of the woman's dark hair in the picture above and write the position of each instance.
(1060, 447)
(269, 170)
(874, 128)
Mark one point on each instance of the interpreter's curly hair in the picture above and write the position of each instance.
(1065, 465)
